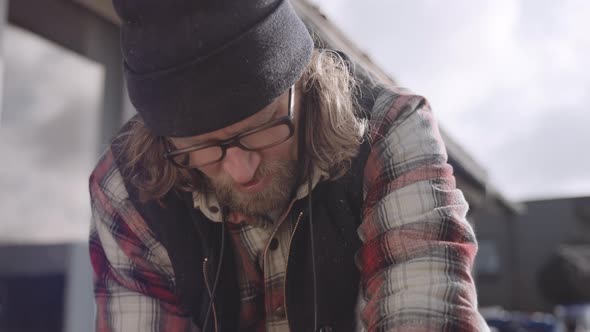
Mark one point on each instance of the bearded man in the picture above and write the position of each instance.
(266, 185)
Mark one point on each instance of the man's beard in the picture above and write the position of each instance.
(274, 196)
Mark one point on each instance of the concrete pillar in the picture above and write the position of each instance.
(104, 44)
(79, 307)
(3, 14)
(112, 112)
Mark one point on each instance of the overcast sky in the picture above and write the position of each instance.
(509, 80)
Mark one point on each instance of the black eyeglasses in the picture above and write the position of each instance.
(266, 136)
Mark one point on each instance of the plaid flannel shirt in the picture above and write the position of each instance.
(415, 262)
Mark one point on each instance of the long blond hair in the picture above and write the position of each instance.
(332, 133)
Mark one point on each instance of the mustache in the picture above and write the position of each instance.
(276, 194)
(263, 170)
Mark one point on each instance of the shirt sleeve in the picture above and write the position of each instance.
(132, 275)
(418, 248)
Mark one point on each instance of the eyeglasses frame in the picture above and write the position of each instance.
(235, 140)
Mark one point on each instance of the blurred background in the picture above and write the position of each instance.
(507, 79)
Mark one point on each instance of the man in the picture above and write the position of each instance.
(268, 186)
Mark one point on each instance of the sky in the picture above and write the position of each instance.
(507, 79)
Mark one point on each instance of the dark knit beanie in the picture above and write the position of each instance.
(195, 66)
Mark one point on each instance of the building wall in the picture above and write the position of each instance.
(522, 245)
(496, 260)
(32, 281)
(547, 224)
(46, 287)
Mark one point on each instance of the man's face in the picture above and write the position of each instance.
(252, 182)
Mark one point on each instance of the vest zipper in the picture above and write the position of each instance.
(287, 268)
(210, 292)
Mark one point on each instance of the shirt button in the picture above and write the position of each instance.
(274, 244)
(280, 312)
(214, 209)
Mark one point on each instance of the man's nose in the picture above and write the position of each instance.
(240, 164)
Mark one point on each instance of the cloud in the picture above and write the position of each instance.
(549, 159)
